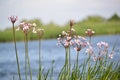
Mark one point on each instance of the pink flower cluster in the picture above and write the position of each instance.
(79, 42)
(102, 51)
(66, 40)
(103, 47)
(26, 27)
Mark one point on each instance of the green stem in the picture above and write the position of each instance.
(76, 72)
(89, 65)
(90, 40)
(26, 60)
(67, 62)
(16, 53)
(39, 59)
(77, 60)
(26, 50)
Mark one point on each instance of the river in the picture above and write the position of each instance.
(49, 50)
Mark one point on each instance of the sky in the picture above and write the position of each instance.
(58, 11)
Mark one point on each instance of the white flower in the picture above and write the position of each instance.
(34, 25)
(89, 50)
(64, 33)
(18, 29)
(110, 56)
(34, 31)
(72, 29)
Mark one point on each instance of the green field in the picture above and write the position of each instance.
(52, 30)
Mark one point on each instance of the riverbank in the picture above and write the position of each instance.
(52, 30)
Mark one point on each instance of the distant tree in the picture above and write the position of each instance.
(51, 24)
(95, 19)
(115, 17)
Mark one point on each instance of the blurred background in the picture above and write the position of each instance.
(103, 16)
(54, 15)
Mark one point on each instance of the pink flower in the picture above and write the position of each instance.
(89, 32)
(77, 48)
(63, 41)
(79, 43)
(13, 19)
(94, 58)
(68, 38)
(103, 47)
(102, 44)
(66, 44)
(90, 50)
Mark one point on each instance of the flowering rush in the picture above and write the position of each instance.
(66, 40)
(26, 27)
(13, 19)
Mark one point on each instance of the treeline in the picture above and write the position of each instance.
(114, 17)
(52, 30)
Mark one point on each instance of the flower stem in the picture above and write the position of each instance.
(77, 59)
(40, 77)
(26, 60)
(16, 52)
(90, 40)
(67, 62)
(77, 64)
(27, 56)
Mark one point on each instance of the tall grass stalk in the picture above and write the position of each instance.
(17, 59)
(52, 68)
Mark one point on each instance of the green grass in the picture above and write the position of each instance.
(52, 30)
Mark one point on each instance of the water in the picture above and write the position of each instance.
(50, 51)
